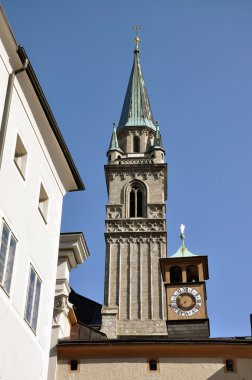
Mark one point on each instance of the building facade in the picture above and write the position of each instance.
(211, 359)
(36, 171)
(73, 251)
(154, 319)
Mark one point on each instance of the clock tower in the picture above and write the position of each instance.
(184, 276)
(134, 300)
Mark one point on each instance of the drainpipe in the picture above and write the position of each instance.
(7, 103)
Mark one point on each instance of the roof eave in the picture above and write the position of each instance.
(51, 120)
(156, 148)
(164, 347)
(115, 150)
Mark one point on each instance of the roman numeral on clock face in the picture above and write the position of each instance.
(186, 301)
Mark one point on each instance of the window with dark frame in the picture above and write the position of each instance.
(153, 365)
(7, 256)
(32, 299)
(136, 201)
(74, 365)
(229, 365)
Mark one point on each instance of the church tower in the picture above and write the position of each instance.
(134, 300)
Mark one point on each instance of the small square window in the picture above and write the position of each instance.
(229, 365)
(74, 365)
(43, 203)
(7, 256)
(20, 157)
(32, 300)
(153, 365)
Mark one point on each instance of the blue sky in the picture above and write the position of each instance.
(196, 58)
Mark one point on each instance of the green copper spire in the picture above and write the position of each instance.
(114, 141)
(136, 108)
(183, 251)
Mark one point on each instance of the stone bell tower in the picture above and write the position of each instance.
(134, 300)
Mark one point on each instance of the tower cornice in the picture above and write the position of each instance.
(137, 171)
(136, 237)
(126, 225)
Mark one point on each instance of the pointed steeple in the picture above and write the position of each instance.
(136, 108)
(114, 141)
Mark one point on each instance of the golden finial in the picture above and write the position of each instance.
(182, 237)
(136, 28)
(137, 40)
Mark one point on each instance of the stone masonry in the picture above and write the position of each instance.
(134, 293)
(134, 301)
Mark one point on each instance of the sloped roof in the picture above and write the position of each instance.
(136, 108)
(183, 252)
(87, 311)
(17, 57)
(114, 145)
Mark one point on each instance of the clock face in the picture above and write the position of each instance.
(186, 302)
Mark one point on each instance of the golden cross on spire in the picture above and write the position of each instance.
(136, 28)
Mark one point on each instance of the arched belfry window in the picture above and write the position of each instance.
(137, 200)
(176, 274)
(136, 144)
(192, 273)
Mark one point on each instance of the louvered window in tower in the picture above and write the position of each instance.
(136, 202)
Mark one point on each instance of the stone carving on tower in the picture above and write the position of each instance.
(134, 300)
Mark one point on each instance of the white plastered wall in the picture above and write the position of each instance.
(24, 355)
(168, 369)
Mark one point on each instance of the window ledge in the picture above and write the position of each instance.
(43, 216)
(5, 291)
(20, 171)
(28, 324)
